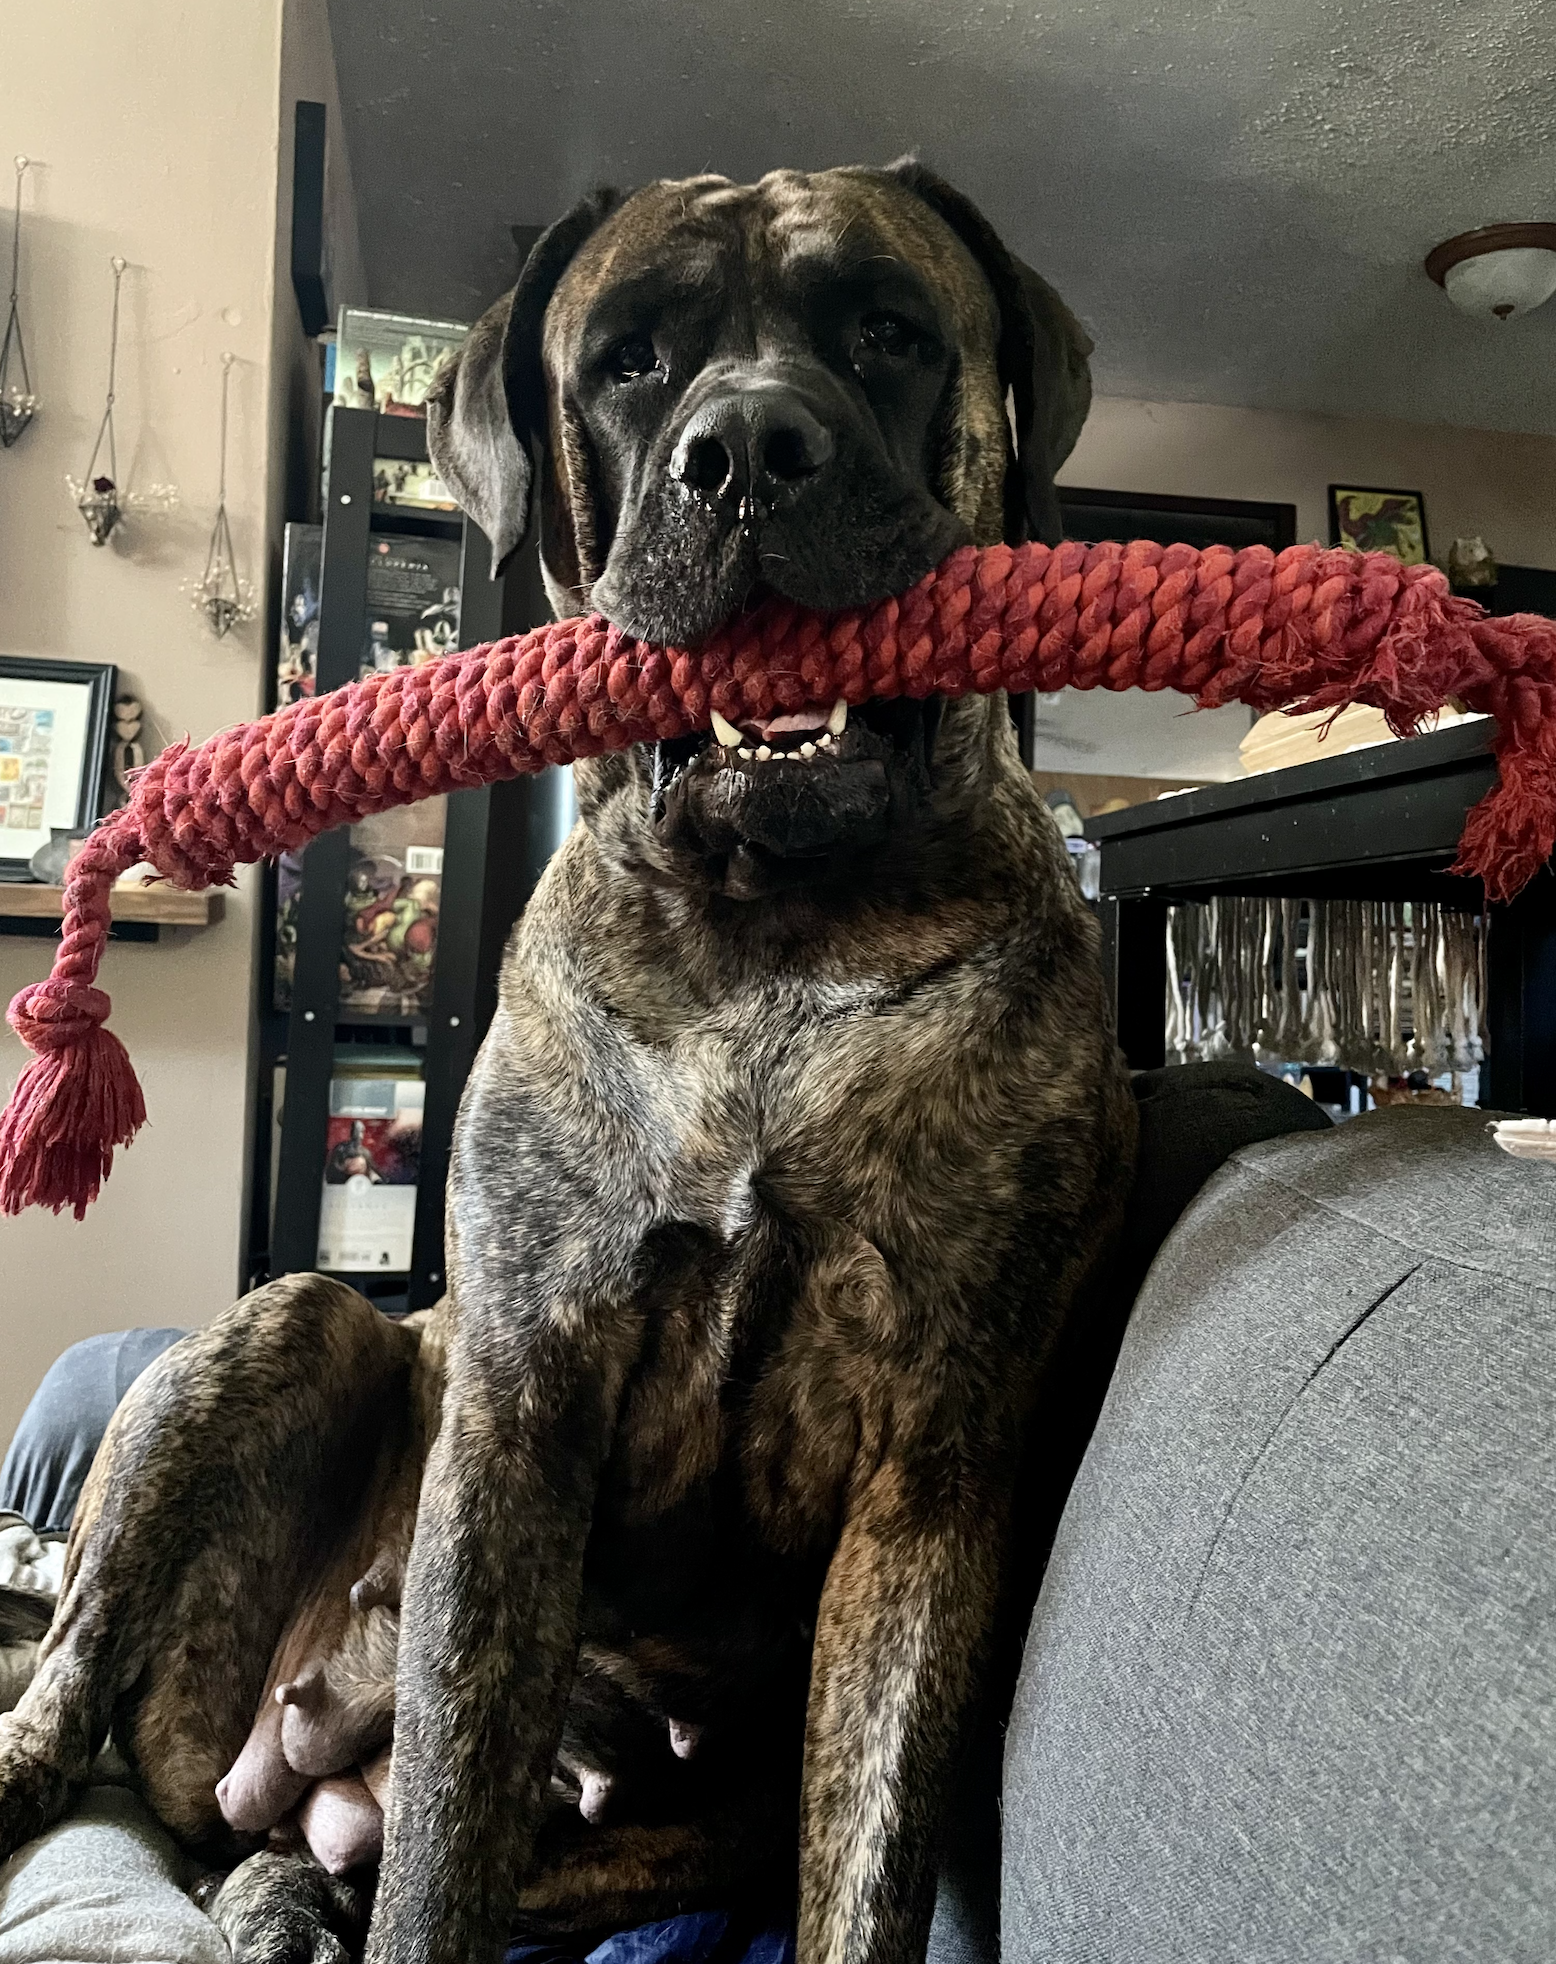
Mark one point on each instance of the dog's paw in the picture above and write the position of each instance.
(285, 1909)
(34, 1790)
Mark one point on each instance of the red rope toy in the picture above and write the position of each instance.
(1307, 626)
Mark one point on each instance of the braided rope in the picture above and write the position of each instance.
(1304, 627)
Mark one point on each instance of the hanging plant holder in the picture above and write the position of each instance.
(220, 593)
(98, 503)
(18, 404)
(101, 500)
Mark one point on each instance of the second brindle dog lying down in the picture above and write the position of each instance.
(793, 1138)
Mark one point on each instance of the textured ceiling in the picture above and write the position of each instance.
(1236, 195)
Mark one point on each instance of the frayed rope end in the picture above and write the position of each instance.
(71, 1107)
(75, 1102)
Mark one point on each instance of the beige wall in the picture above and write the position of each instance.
(1485, 481)
(160, 133)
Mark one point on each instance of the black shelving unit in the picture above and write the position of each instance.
(1378, 824)
(496, 843)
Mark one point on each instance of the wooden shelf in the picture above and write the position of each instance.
(159, 906)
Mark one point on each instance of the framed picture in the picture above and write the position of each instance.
(1364, 518)
(54, 718)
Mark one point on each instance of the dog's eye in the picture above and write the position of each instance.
(632, 357)
(888, 334)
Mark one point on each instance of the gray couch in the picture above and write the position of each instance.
(1290, 1688)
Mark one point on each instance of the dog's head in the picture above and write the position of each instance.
(817, 386)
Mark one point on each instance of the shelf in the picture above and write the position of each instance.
(157, 906)
(1383, 821)
(416, 521)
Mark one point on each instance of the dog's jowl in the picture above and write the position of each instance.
(795, 1134)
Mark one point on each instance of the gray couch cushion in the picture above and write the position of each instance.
(1290, 1691)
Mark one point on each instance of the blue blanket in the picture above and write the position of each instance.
(711, 1936)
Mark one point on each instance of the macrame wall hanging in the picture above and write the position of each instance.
(100, 498)
(18, 404)
(1383, 987)
(220, 594)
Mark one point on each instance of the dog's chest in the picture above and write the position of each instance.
(828, 1195)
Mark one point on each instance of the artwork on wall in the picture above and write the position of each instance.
(54, 719)
(1365, 518)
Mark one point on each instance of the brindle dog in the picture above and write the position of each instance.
(793, 1140)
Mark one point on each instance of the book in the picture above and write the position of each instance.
(298, 655)
(367, 1211)
(412, 600)
(388, 362)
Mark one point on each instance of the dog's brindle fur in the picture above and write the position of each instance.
(793, 1138)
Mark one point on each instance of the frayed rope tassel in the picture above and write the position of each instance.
(78, 1099)
(1305, 628)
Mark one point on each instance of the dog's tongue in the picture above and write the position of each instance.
(799, 719)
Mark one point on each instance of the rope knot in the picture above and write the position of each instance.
(57, 1013)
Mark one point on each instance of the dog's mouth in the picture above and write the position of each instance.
(802, 733)
(793, 789)
(810, 740)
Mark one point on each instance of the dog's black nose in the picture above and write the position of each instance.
(756, 437)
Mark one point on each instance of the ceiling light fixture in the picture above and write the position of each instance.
(1499, 271)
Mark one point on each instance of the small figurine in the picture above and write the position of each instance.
(128, 755)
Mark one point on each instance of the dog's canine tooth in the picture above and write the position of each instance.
(726, 732)
(762, 753)
(807, 750)
(837, 722)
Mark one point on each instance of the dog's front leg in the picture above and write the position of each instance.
(904, 1618)
(489, 1624)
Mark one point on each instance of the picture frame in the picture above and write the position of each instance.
(54, 724)
(1375, 518)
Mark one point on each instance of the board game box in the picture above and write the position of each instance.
(398, 481)
(367, 1211)
(388, 362)
(297, 657)
(389, 920)
(412, 600)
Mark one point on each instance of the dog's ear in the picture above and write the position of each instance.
(489, 400)
(1043, 359)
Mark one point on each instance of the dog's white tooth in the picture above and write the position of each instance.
(762, 753)
(807, 750)
(837, 722)
(726, 732)
(747, 754)
(824, 742)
